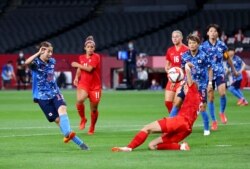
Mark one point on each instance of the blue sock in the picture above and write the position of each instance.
(234, 92)
(174, 111)
(64, 125)
(211, 110)
(205, 120)
(77, 140)
(240, 93)
(223, 103)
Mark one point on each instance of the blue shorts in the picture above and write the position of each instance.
(236, 84)
(181, 93)
(218, 81)
(50, 107)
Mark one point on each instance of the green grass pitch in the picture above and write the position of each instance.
(28, 141)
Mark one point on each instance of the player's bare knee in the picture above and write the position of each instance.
(202, 108)
(62, 110)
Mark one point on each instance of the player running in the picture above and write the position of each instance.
(173, 59)
(217, 51)
(234, 88)
(47, 94)
(88, 82)
(200, 65)
(176, 128)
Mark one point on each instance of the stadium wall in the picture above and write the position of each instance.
(155, 65)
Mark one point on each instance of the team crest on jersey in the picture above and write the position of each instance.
(199, 61)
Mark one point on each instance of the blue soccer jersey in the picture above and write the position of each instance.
(216, 55)
(201, 64)
(237, 62)
(44, 84)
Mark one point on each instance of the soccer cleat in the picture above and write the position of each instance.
(84, 146)
(184, 146)
(214, 126)
(240, 101)
(121, 149)
(244, 103)
(206, 133)
(70, 136)
(223, 118)
(91, 130)
(82, 124)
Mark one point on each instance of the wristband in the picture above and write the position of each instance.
(210, 83)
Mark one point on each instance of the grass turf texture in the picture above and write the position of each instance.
(28, 141)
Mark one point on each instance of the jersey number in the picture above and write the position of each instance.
(176, 59)
(97, 95)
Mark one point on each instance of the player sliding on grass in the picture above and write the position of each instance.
(88, 82)
(47, 94)
(174, 129)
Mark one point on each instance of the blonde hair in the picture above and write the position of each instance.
(177, 31)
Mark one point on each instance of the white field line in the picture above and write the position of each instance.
(114, 128)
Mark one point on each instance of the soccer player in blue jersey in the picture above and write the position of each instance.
(234, 88)
(217, 51)
(47, 94)
(201, 71)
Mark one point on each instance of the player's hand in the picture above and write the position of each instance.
(41, 50)
(190, 64)
(172, 85)
(236, 73)
(74, 64)
(75, 81)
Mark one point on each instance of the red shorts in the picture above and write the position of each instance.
(173, 86)
(175, 129)
(93, 95)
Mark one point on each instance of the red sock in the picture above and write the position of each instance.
(138, 139)
(94, 117)
(168, 146)
(169, 105)
(81, 110)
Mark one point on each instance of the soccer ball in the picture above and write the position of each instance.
(175, 74)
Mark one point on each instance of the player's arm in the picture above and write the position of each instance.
(188, 66)
(78, 73)
(31, 58)
(210, 79)
(87, 68)
(243, 67)
(167, 66)
(168, 63)
(230, 62)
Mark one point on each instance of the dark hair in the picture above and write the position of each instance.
(193, 38)
(45, 44)
(89, 39)
(215, 26)
(231, 48)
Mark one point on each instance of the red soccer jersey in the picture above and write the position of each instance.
(174, 56)
(191, 104)
(90, 80)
